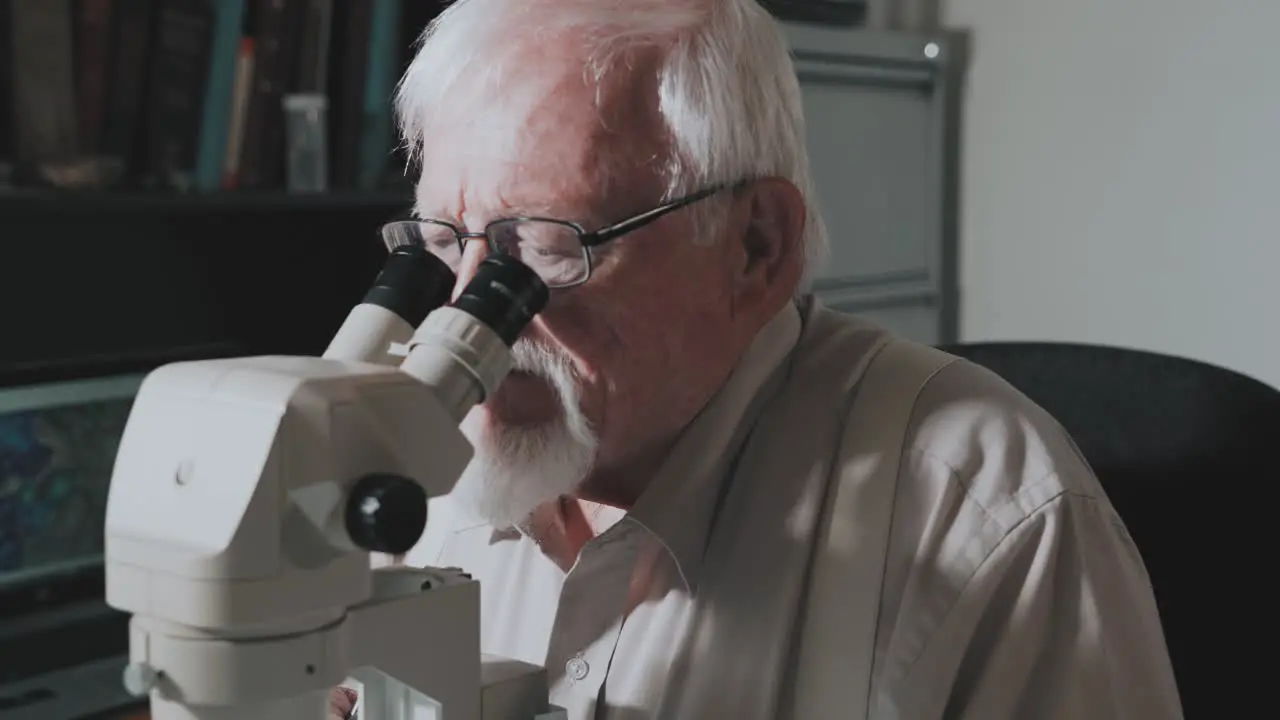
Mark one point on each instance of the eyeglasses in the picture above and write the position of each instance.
(558, 250)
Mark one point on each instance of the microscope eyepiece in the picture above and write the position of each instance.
(463, 350)
(413, 282)
(505, 294)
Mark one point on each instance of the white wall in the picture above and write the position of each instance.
(1121, 175)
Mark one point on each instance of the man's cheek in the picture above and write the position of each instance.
(582, 338)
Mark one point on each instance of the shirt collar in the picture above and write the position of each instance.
(679, 506)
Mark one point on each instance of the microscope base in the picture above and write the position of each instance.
(510, 690)
(409, 645)
(314, 705)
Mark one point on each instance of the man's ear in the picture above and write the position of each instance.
(772, 255)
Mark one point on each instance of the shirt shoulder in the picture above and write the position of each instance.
(973, 441)
(1006, 454)
(994, 440)
(979, 460)
(997, 509)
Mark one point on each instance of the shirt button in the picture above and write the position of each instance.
(577, 668)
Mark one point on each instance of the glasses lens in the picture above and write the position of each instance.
(436, 238)
(550, 249)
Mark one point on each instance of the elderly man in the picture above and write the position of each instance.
(701, 494)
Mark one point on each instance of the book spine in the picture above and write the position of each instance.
(313, 55)
(93, 46)
(215, 125)
(274, 68)
(377, 126)
(239, 112)
(347, 71)
(126, 96)
(44, 82)
(176, 96)
(7, 130)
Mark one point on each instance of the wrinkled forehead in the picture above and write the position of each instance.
(548, 139)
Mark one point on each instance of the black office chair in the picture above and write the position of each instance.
(1186, 451)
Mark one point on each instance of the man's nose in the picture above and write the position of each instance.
(474, 251)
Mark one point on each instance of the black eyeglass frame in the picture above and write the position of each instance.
(586, 238)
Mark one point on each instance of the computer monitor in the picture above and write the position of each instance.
(58, 444)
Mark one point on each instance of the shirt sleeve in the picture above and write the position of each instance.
(1058, 623)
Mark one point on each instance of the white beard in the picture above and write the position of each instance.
(515, 470)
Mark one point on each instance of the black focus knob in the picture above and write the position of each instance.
(386, 513)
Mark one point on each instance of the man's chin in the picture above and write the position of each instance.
(517, 468)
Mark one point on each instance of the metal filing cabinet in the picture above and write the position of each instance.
(882, 119)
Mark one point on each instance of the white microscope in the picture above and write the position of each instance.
(248, 494)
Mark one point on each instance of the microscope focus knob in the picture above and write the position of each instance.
(386, 513)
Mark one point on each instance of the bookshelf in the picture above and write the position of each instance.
(147, 204)
(181, 96)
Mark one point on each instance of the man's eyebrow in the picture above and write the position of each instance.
(416, 213)
(530, 210)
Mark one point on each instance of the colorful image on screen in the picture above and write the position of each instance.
(57, 447)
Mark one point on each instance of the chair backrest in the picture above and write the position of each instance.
(1185, 451)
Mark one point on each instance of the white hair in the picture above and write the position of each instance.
(727, 89)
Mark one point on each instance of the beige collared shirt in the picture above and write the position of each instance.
(1011, 589)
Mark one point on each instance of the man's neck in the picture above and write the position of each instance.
(562, 528)
(621, 482)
